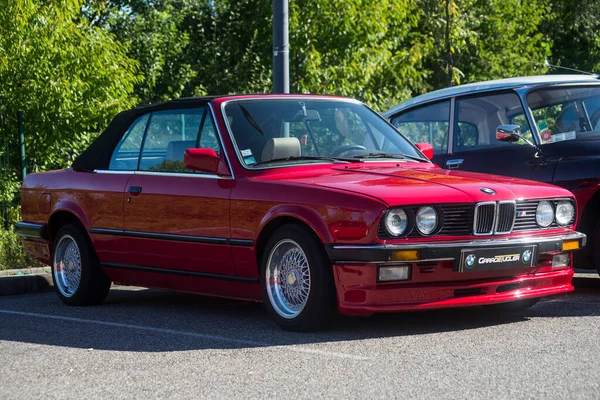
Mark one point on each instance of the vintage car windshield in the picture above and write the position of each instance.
(274, 132)
(566, 113)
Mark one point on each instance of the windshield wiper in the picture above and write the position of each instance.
(388, 155)
(294, 158)
(250, 119)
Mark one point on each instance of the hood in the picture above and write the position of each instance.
(422, 184)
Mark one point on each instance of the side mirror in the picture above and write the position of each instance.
(203, 160)
(426, 149)
(508, 133)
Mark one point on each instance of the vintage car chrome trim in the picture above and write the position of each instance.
(446, 250)
(174, 237)
(30, 230)
(220, 138)
(114, 171)
(514, 218)
(476, 212)
(174, 174)
(299, 97)
(182, 272)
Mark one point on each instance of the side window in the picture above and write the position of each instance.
(208, 135)
(478, 117)
(169, 134)
(127, 152)
(428, 124)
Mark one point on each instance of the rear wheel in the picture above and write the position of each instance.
(297, 280)
(514, 306)
(76, 272)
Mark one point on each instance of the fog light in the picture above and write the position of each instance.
(395, 273)
(561, 260)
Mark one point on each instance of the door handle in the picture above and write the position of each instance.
(454, 164)
(134, 190)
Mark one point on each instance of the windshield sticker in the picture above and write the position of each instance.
(248, 157)
(545, 132)
(560, 137)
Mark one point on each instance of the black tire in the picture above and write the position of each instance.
(594, 243)
(94, 285)
(514, 306)
(321, 305)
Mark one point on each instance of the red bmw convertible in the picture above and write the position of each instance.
(311, 204)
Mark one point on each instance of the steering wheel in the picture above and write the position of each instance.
(341, 150)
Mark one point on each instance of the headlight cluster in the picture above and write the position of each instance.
(399, 221)
(545, 213)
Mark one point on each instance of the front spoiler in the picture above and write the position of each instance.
(381, 254)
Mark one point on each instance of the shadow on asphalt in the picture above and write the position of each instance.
(156, 321)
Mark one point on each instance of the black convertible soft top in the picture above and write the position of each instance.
(98, 154)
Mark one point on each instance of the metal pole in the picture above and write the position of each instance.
(281, 47)
(22, 141)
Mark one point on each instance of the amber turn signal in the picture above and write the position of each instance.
(405, 255)
(570, 245)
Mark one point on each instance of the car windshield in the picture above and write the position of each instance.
(275, 132)
(566, 113)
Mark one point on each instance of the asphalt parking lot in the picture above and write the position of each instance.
(150, 344)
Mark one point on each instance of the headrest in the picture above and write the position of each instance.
(281, 148)
(176, 148)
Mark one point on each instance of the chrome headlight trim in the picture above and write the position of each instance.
(426, 220)
(396, 221)
(564, 213)
(544, 214)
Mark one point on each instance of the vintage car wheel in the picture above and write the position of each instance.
(513, 306)
(595, 246)
(76, 272)
(297, 280)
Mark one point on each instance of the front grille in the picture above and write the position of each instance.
(480, 219)
(485, 217)
(505, 217)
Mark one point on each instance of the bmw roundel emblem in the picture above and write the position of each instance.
(526, 256)
(488, 191)
(470, 260)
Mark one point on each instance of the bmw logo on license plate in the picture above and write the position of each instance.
(526, 256)
(470, 260)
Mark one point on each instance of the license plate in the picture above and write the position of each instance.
(497, 258)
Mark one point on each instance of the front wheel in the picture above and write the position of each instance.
(297, 280)
(76, 272)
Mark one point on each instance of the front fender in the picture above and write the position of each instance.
(306, 214)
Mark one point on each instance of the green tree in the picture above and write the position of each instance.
(475, 40)
(574, 31)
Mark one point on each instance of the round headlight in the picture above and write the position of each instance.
(396, 222)
(544, 214)
(564, 212)
(426, 220)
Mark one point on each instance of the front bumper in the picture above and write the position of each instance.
(436, 280)
(384, 253)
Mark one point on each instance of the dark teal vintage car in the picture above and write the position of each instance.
(544, 128)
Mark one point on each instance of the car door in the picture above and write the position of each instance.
(427, 124)
(474, 144)
(177, 220)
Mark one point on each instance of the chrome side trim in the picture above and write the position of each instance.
(175, 174)
(174, 237)
(30, 230)
(477, 243)
(115, 172)
(450, 147)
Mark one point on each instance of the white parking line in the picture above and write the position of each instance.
(218, 338)
(586, 303)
